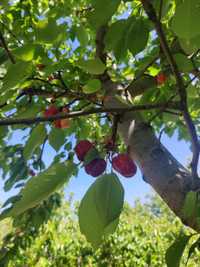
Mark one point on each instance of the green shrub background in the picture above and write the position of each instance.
(144, 234)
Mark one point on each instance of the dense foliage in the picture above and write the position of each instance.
(73, 71)
(59, 242)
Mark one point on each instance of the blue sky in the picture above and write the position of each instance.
(134, 187)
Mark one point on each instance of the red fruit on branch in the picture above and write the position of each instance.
(65, 109)
(123, 164)
(82, 148)
(65, 123)
(161, 78)
(51, 110)
(96, 167)
(57, 124)
(61, 123)
(51, 78)
(40, 66)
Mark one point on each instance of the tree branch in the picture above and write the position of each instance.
(3, 43)
(100, 51)
(76, 114)
(180, 85)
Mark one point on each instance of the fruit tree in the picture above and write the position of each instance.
(99, 80)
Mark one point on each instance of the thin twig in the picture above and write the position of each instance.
(160, 10)
(3, 42)
(100, 51)
(41, 153)
(11, 33)
(161, 133)
(190, 81)
(62, 81)
(173, 112)
(43, 81)
(114, 128)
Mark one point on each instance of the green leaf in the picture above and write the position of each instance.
(29, 110)
(190, 45)
(103, 11)
(115, 38)
(183, 63)
(92, 86)
(35, 139)
(18, 172)
(53, 67)
(3, 56)
(144, 83)
(186, 19)
(100, 208)
(175, 251)
(195, 245)
(56, 138)
(137, 36)
(16, 74)
(91, 155)
(25, 53)
(82, 35)
(40, 188)
(93, 66)
(47, 31)
(190, 204)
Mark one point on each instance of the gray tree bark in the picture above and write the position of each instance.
(161, 170)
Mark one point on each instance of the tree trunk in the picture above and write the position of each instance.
(161, 170)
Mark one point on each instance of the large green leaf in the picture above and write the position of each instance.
(40, 187)
(17, 172)
(190, 205)
(190, 45)
(183, 63)
(36, 138)
(92, 86)
(82, 35)
(186, 19)
(93, 66)
(137, 35)
(47, 31)
(115, 38)
(103, 11)
(175, 251)
(56, 138)
(100, 208)
(16, 74)
(25, 53)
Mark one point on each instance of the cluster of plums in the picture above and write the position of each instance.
(121, 163)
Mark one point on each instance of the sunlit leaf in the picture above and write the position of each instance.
(35, 140)
(100, 208)
(40, 187)
(93, 66)
(175, 251)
